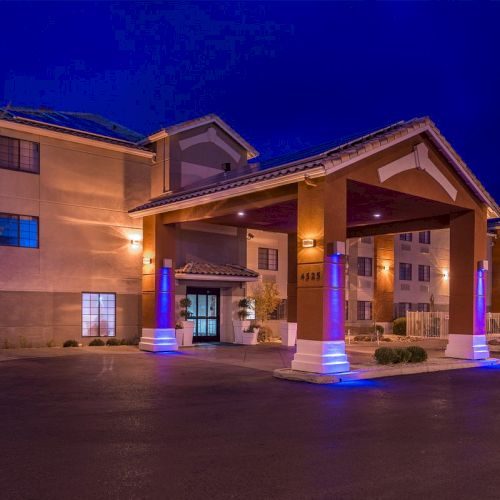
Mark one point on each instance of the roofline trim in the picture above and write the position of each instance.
(197, 122)
(326, 165)
(213, 277)
(33, 129)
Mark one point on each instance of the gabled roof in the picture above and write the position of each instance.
(316, 161)
(87, 125)
(219, 270)
(204, 120)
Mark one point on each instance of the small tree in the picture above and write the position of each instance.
(185, 305)
(244, 305)
(266, 299)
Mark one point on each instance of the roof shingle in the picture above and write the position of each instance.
(206, 268)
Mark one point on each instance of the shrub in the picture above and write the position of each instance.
(379, 329)
(51, 343)
(402, 355)
(399, 326)
(417, 353)
(24, 342)
(113, 341)
(96, 342)
(265, 333)
(70, 343)
(385, 355)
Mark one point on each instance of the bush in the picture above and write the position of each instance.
(385, 356)
(399, 326)
(113, 341)
(379, 329)
(402, 355)
(418, 354)
(265, 333)
(96, 342)
(70, 343)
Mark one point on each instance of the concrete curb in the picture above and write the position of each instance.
(382, 371)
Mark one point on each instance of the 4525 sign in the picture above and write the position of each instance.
(310, 274)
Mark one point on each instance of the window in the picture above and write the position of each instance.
(268, 259)
(404, 271)
(406, 236)
(364, 266)
(364, 310)
(423, 307)
(424, 237)
(98, 314)
(18, 230)
(17, 154)
(424, 273)
(280, 313)
(401, 309)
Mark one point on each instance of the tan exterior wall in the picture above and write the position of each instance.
(81, 198)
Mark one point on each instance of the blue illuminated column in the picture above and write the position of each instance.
(165, 298)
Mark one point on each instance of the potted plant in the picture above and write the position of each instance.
(250, 335)
(266, 298)
(187, 326)
(241, 323)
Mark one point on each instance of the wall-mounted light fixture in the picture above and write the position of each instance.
(446, 274)
(308, 243)
(241, 213)
(147, 260)
(135, 243)
(386, 267)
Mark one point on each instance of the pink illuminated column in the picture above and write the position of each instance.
(321, 236)
(468, 282)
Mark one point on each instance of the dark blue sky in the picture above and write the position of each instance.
(284, 75)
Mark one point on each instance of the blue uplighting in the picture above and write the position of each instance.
(165, 297)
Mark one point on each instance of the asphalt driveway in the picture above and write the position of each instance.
(108, 425)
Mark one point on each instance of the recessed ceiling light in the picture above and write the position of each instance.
(377, 215)
(241, 214)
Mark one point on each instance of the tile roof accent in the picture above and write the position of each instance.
(335, 152)
(87, 125)
(202, 120)
(206, 268)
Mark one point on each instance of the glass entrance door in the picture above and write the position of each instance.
(205, 313)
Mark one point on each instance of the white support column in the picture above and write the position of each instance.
(320, 356)
(158, 340)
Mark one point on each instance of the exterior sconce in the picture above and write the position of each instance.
(386, 267)
(135, 243)
(147, 260)
(309, 243)
(446, 274)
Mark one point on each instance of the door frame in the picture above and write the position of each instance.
(196, 290)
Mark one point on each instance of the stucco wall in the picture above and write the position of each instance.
(81, 197)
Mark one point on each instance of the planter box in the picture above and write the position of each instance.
(187, 333)
(238, 327)
(288, 333)
(250, 338)
(179, 334)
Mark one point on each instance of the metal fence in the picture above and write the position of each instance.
(436, 324)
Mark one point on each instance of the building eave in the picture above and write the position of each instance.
(38, 130)
(214, 277)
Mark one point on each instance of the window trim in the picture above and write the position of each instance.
(364, 302)
(370, 267)
(81, 316)
(424, 266)
(19, 169)
(408, 237)
(267, 249)
(427, 241)
(410, 268)
(37, 218)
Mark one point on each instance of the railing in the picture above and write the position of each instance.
(436, 324)
(432, 325)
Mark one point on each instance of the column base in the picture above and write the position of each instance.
(316, 356)
(467, 347)
(158, 340)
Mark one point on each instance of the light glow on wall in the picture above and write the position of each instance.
(446, 274)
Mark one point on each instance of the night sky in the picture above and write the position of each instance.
(284, 75)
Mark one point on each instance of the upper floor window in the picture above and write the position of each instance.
(423, 307)
(268, 259)
(402, 308)
(18, 230)
(424, 273)
(424, 237)
(17, 154)
(405, 271)
(364, 310)
(364, 266)
(406, 236)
